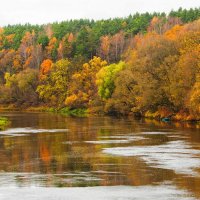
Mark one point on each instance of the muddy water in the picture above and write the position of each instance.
(49, 156)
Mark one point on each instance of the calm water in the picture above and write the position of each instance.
(49, 156)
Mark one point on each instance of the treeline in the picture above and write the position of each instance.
(145, 63)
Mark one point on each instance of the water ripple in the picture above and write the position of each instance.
(175, 155)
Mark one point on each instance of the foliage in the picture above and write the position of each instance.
(106, 77)
(45, 68)
(54, 88)
(20, 88)
(83, 88)
(143, 63)
(161, 72)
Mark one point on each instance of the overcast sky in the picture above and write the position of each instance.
(44, 11)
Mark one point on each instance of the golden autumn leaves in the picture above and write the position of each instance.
(160, 72)
(111, 72)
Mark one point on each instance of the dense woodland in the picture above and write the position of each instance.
(145, 64)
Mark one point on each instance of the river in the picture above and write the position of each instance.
(50, 156)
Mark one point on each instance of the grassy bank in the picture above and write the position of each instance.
(65, 111)
(74, 112)
(162, 114)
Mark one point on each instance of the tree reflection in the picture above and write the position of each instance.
(65, 158)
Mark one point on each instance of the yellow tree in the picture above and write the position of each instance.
(83, 88)
(54, 88)
(194, 101)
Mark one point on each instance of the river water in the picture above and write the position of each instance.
(49, 156)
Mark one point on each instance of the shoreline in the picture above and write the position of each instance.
(158, 116)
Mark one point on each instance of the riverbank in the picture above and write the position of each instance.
(166, 115)
(65, 111)
(160, 115)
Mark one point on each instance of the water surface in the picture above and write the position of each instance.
(49, 156)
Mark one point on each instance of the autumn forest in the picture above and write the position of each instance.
(145, 64)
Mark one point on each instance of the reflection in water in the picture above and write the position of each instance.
(58, 151)
(115, 139)
(19, 131)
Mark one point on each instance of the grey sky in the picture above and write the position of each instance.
(44, 11)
